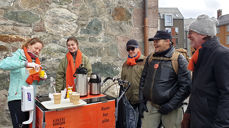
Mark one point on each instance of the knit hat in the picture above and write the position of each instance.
(132, 43)
(204, 25)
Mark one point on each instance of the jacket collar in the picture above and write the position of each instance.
(169, 53)
(21, 54)
(211, 43)
(141, 57)
(207, 47)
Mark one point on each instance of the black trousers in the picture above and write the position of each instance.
(17, 115)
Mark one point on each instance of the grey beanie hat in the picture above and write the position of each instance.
(204, 25)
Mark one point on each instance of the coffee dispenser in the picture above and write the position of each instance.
(95, 84)
(81, 81)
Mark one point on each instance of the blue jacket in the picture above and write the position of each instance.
(18, 73)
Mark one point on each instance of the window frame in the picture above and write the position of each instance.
(168, 18)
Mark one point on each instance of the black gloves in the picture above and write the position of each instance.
(142, 108)
(165, 109)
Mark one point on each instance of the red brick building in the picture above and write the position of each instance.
(223, 28)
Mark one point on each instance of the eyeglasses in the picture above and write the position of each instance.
(130, 48)
(190, 32)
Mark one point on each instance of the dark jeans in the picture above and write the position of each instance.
(17, 115)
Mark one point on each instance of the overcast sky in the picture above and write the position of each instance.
(193, 8)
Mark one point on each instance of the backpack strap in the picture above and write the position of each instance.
(173, 59)
(150, 57)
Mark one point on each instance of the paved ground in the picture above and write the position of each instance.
(6, 126)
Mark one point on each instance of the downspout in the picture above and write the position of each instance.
(146, 29)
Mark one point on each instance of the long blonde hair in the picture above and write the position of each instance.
(32, 41)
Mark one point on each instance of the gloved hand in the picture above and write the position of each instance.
(165, 109)
(32, 65)
(186, 121)
(142, 108)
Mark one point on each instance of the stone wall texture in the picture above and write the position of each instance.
(102, 27)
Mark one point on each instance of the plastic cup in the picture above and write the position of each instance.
(75, 98)
(63, 93)
(69, 90)
(42, 74)
(57, 98)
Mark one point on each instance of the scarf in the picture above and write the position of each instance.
(193, 60)
(71, 68)
(132, 60)
(33, 74)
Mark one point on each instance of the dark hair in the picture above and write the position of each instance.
(72, 38)
(32, 41)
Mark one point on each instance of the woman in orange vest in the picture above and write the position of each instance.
(68, 65)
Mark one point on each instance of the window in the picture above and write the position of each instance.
(217, 29)
(228, 28)
(227, 40)
(176, 30)
(168, 20)
(168, 30)
(177, 41)
(218, 38)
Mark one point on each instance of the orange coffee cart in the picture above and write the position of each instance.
(97, 112)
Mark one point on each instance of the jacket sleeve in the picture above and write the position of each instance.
(12, 63)
(142, 81)
(221, 73)
(60, 75)
(184, 83)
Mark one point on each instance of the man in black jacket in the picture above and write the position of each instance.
(162, 88)
(209, 101)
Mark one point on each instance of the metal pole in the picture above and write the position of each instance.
(146, 29)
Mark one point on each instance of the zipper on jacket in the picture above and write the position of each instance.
(151, 88)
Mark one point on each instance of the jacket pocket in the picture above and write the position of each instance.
(212, 107)
(201, 105)
(138, 70)
(166, 70)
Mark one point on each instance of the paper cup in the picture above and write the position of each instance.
(75, 98)
(70, 96)
(57, 98)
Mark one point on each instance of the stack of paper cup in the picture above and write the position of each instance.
(57, 98)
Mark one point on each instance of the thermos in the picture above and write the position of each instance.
(82, 84)
(81, 81)
(95, 84)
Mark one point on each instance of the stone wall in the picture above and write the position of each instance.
(102, 27)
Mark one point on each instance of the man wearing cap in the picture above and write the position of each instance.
(209, 101)
(162, 89)
(131, 71)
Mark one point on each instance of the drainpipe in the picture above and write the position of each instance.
(146, 29)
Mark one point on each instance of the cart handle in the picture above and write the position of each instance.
(120, 83)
